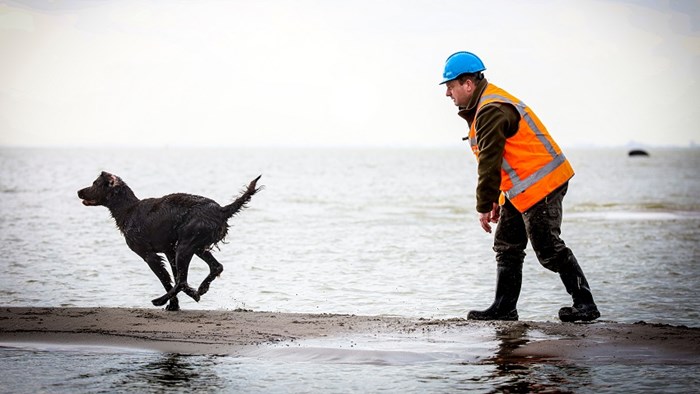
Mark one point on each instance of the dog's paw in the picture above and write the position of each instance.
(192, 293)
(160, 301)
(203, 289)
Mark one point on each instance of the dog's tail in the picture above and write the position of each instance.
(242, 201)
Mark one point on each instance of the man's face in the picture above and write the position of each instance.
(460, 93)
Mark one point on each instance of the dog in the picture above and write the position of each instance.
(178, 225)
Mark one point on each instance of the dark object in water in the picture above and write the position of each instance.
(638, 152)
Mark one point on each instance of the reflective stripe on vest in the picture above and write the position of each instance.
(531, 166)
(520, 106)
(520, 185)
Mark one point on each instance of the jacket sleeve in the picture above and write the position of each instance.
(496, 122)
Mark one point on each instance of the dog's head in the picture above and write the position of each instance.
(102, 190)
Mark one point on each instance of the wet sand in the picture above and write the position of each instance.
(240, 332)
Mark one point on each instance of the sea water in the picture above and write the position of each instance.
(359, 231)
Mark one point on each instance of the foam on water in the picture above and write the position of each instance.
(71, 348)
(635, 216)
(387, 349)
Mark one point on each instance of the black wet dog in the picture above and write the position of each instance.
(177, 225)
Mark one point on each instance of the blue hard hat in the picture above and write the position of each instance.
(461, 63)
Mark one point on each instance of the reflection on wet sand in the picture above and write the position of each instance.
(521, 374)
(484, 358)
(169, 371)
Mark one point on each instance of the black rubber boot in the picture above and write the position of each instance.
(508, 282)
(584, 308)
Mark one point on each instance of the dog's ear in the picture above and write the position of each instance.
(114, 181)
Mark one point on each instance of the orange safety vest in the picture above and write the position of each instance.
(533, 165)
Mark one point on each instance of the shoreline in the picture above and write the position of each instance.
(240, 333)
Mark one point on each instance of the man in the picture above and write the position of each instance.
(522, 179)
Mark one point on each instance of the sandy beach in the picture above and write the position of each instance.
(237, 332)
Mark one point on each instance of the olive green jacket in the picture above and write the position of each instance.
(496, 123)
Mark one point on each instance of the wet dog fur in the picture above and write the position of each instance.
(177, 225)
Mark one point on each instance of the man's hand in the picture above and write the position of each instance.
(490, 217)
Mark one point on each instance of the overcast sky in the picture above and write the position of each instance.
(363, 72)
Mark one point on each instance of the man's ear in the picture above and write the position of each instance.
(470, 85)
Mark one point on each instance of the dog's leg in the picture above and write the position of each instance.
(156, 264)
(215, 269)
(182, 261)
(174, 304)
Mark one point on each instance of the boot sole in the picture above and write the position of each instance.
(570, 317)
(508, 317)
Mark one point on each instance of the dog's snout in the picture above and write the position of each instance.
(87, 195)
